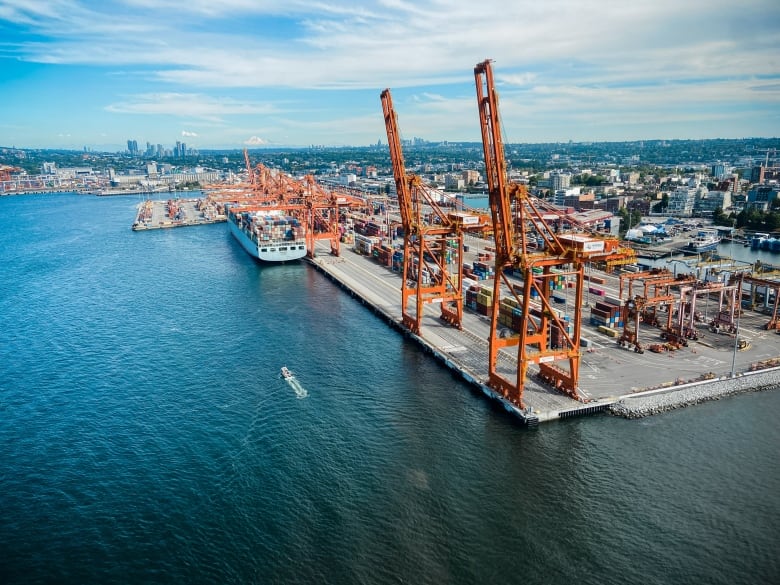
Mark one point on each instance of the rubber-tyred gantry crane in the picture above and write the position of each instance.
(769, 285)
(428, 246)
(643, 308)
(726, 306)
(545, 337)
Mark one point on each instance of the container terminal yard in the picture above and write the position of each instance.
(609, 373)
(548, 316)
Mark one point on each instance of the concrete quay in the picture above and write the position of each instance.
(608, 373)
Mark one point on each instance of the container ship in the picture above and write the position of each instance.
(268, 235)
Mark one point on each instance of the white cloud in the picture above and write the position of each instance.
(207, 62)
(188, 105)
(188, 133)
(398, 43)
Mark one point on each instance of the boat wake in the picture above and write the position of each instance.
(300, 391)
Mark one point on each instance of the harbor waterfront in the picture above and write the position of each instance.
(612, 375)
(148, 436)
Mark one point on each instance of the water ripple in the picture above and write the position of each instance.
(146, 436)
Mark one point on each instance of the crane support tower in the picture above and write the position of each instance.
(541, 255)
(429, 273)
(544, 338)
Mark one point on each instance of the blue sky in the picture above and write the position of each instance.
(225, 74)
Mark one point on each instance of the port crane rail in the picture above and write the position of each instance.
(544, 339)
(431, 238)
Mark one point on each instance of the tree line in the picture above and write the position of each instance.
(751, 219)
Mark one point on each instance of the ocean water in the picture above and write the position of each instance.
(146, 436)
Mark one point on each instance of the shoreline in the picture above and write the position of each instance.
(456, 350)
(98, 192)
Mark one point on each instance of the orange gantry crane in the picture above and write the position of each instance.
(319, 209)
(543, 336)
(6, 171)
(726, 309)
(433, 248)
(643, 308)
(323, 213)
(635, 311)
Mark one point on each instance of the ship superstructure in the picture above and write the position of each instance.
(705, 241)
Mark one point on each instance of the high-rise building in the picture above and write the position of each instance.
(132, 147)
(681, 200)
(718, 171)
(470, 176)
(559, 181)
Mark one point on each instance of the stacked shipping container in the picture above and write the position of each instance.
(478, 298)
(365, 244)
(555, 281)
(606, 313)
(271, 228)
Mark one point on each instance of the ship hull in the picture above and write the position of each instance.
(703, 247)
(271, 251)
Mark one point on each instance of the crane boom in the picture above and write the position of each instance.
(402, 185)
(495, 173)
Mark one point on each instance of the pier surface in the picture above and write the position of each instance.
(608, 373)
(157, 214)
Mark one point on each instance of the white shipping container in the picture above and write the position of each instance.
(593, 246)
(464, 218)
(583, 243)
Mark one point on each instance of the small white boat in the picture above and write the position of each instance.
(287, 374)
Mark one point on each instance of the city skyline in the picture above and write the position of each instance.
(232, 74)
